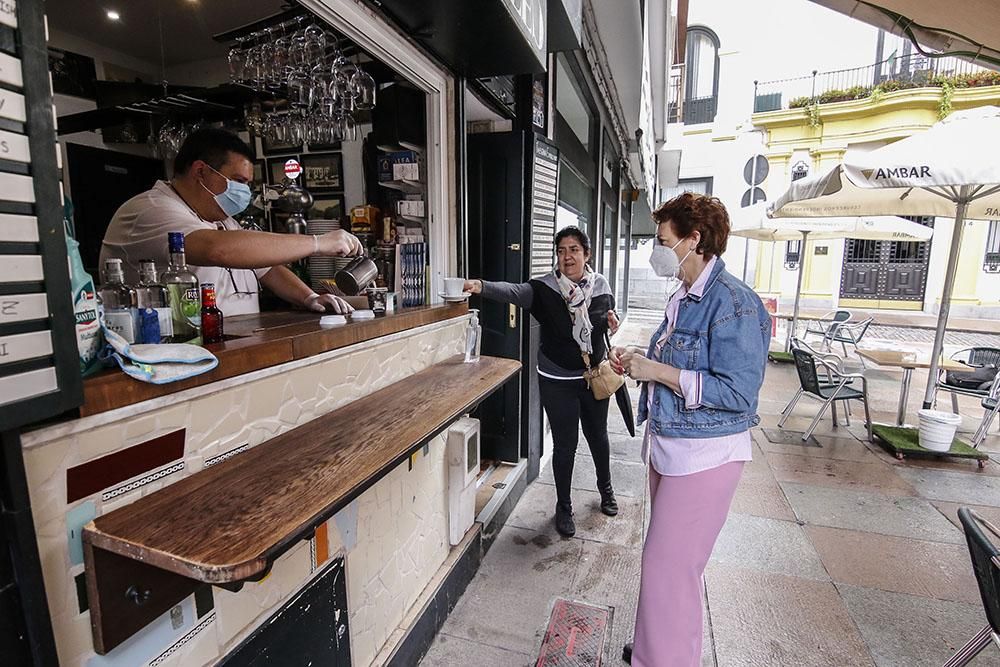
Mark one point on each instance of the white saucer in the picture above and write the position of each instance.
(455, 299)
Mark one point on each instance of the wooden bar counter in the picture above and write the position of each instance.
(259, 341)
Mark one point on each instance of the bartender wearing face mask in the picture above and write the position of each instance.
(211, 183)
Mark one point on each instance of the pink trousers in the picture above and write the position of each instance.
(688, 512)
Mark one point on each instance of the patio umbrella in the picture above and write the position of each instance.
(753, 222)
(949, 170)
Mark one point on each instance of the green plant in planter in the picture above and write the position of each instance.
(812, 113)
(944, 106)
(799, 102)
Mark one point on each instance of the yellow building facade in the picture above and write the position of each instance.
(871, 275)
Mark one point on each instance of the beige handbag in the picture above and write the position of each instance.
(602, 381)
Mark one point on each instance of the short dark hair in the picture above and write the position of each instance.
(212, 145)
(575, 232)
(692, 212)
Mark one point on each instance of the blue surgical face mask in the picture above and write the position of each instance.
(234, 199)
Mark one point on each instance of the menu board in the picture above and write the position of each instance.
(544, 195)
(39, 362)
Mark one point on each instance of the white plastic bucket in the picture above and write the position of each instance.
(937, 429)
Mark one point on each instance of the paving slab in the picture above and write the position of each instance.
(768, 545)
(628, 479)
(849, 475)
(898, 564)
(846, 448)
(901, 516)
(508, 602)
(450, 651)
(950, 511)
(609, 575)
(956, 487)
(758, 493)
(906, 630)
(764, 618)
(536, 509)
(625, 447)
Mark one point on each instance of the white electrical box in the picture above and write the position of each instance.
(463, 467)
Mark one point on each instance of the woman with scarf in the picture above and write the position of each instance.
(700, 379)
(574, 307)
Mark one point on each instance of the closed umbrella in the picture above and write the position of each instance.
(753, 222)
(950, 170)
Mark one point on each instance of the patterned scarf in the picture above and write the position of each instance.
(577, 297)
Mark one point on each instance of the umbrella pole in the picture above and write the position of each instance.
(798, 292)
(949, 284)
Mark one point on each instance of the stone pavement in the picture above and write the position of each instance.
(833, 555)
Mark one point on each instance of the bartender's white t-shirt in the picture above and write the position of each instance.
(139, 230)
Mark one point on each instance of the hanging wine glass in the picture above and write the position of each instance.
(315, 43)
(362, 87)
(237, 61)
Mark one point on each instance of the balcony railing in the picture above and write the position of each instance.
(691, 110)
(896, 73)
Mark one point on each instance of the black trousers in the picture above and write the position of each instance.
(568, 404)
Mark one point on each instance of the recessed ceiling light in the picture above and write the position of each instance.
(113, 15)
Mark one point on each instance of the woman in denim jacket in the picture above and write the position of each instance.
(700, 379)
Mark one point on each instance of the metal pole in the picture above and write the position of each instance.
(949, 283)
(798, 292)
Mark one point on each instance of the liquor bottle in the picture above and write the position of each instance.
(211, 316)
(182, 294)
(153, 296)
(121, 313)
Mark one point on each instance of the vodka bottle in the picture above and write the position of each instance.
(121, 313)
(182, 294)
(153, 296)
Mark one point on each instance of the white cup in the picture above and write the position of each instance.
(453, 286)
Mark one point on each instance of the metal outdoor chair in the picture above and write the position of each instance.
(833, 386)
(831, 358)
(991, 407)
(827, 325)
(850, 332)
(981, 537)
(974, 357)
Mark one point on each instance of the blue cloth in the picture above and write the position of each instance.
(723, 334)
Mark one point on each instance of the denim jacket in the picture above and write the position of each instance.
(724, 335)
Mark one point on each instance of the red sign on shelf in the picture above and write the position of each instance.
(293, 169)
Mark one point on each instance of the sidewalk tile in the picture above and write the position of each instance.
(451, 651)
(956, 487)
(509, 600)
(950, 511)
(609, 575)
(763, 618)
(758, 493)
(536, 509)
(628, 479)
(624, 447)
(898, 564)
(906, 630)
(846, 448)
(768, 545)
(848, 475)
(873, 512)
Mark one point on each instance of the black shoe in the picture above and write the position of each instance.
(627, 653)
(608, 503)
(564, 521)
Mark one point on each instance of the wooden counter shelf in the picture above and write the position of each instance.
(256, 342)
(227, 524)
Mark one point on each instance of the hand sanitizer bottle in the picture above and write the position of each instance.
(472, 337)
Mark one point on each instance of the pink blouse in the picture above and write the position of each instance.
(685, 456)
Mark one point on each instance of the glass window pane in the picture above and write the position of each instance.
(570, 104)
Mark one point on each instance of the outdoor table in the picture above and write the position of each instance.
(907, 361)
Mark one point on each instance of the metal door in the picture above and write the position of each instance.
(890, 271)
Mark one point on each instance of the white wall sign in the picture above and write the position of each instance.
(18, 228)
(23, 307)
(12, 105)
(25, 346)
(14, 146)
(20, 268)
(10, 70)
(8, 12)
(15, 187)
(25, 385)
